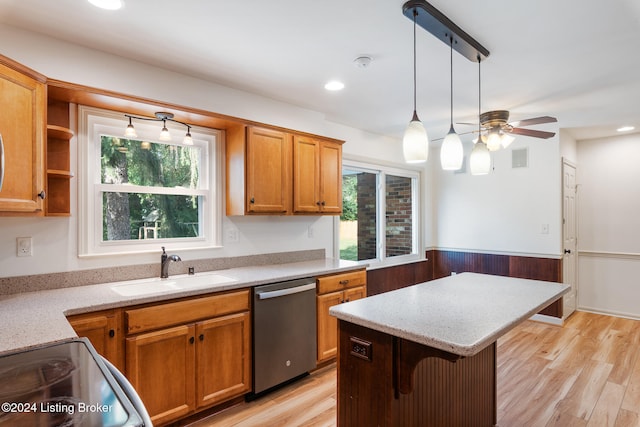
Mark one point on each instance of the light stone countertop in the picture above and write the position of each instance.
(34, 318)
(461, 314)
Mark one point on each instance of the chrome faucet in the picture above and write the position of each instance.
(165, 260)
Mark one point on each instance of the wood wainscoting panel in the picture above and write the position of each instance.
(398, 276)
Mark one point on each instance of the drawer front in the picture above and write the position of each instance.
(338, 282)
(182, 312)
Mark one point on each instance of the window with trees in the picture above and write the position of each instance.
(139, 194)
(379, 223)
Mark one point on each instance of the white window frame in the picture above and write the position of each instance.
(93, 123)
(382, 171)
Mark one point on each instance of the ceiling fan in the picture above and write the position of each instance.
(498, 132)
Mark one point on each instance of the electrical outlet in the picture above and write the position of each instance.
(310, 232)
(231, 235)
(23, 246)
(544, 229)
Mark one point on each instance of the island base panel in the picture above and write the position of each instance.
(441, 393)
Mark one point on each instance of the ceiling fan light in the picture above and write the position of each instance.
(480, 160)
(493, 141)
(506, 140)
(451, 152)
(415, 142)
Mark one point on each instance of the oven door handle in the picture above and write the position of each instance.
(286, 291)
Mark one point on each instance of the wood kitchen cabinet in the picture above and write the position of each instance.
(187, 355)
(275, 172)
(22, 128)
(258, 171)
(333, 290)
(104, 330)
(317, 175)
(59, 174)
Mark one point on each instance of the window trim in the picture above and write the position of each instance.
(382, 171)
(90, 242)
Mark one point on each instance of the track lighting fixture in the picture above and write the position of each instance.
(163, 117)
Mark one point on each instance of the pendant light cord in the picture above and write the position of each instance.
(479, 101)
(415, 14)
(451, 77)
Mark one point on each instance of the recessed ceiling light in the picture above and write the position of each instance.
(625, 128)
(107, 4)
(334, 85)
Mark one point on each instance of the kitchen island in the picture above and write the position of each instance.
(425, 355)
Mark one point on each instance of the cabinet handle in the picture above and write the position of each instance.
(347, 300)
(344, 282)
(1, 162)
(192, 340)
(42, 194)
(201, 337)
(112, 333)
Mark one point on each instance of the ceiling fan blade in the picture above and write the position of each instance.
(531, 132)
(534, 121)
(467, 123)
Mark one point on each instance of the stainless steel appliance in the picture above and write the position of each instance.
(62, 384)
(284, 332)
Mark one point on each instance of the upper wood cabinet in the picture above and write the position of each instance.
(274, 172)
(22, 128)
(258, 171)
(317, 175)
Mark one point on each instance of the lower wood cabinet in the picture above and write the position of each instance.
(180, 369)
(333, 290)
(104, 330)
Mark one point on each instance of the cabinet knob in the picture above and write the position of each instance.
(252, 200)
(201, 337)
(42, 194)
(192, 340)
(112, 333)
(344, 282)
(318, 203)
(323, 203)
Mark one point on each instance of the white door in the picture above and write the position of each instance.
(569, 220)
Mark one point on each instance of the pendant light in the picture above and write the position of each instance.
(480, 159)
(451, 153)
(415, 142)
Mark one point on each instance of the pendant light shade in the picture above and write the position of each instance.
(451, 153)
(480, 159)
(415, 142)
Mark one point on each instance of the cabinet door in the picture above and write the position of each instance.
(306, 175)
(22, 127)
(355, 293)
(327, 325)
(268, 171)
(223, 358)
(105, 333)
(161, 367)
(331, 177)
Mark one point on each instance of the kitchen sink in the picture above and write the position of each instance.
(158, 285)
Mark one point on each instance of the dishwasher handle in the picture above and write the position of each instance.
(286, 291)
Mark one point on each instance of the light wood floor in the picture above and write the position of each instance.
(586, 373)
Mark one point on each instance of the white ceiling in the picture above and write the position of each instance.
(577, 60)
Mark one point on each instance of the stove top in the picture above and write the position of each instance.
(62, 384)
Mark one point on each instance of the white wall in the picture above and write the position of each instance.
(504, 211)
(55, 239)
(609, 224)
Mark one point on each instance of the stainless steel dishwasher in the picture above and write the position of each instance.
(284, 332)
